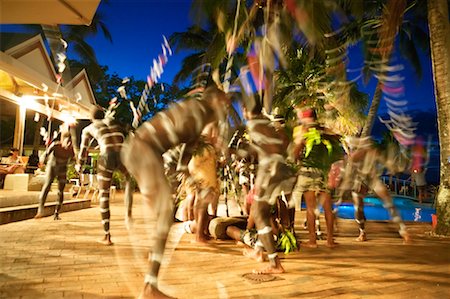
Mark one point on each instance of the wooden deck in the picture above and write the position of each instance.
(61, 259)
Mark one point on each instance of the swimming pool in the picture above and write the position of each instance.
(409, 209)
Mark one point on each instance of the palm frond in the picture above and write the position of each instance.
(188, 65)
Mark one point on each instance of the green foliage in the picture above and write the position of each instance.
(71, 172)
(287, 242)
(321, 150)
(118, 180)
(312, 138)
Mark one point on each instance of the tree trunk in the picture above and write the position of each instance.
(440, 59)
(392, 20)
(370, 121)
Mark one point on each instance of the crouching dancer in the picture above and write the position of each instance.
(273, 179)
(182, 122)
(58, 154)
(109, 136)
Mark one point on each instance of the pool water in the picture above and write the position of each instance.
(409, 209)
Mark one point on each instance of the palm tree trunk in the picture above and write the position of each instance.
(370, 121)
(392, 19)
(440, 59)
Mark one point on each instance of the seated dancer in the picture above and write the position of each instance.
(182, 122)
(273, 179)
(316, 149)
(279, 221)
(60, 152)
(362, 173)
(109, 136)
(203, 183)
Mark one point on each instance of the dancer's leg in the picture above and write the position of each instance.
(360, 218)
(50, 176)
(381, 190)
(129, 188)
(62, 173)
(311, 204)
(150, 176)
(261, 212)
(104, 177)
(329, 218)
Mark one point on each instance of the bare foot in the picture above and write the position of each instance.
(129, 222)
(38, 216)
(309, 245)
(361, 238)
(187, 227)
(254, 254)
(201, 241)
(331, 244)
(106, 240)
(150, 292)
(407, 239)
(270, 270)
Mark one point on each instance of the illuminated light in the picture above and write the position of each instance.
(57, 95)
(27, 101)
(68, 118)
(44, 87)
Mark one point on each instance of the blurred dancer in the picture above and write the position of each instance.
(273, 179)
(183, 122)
(362, 173)
(317, 149)
(58, 154)
(109, 136)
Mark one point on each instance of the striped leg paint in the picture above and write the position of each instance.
(104, 177)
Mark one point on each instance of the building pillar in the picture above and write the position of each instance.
(19, 128)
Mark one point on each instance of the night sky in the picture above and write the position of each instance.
(137, 27)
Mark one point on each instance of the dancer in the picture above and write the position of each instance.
(316, 149)
(203, 174)
(183, 122)
(273, 179)
(109, 136)
(362, 173)
(60, 152)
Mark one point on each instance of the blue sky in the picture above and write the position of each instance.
(137, 27)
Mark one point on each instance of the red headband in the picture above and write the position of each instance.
(307, 113)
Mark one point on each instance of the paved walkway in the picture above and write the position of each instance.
(61, 259)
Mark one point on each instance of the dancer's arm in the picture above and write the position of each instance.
(86, 137)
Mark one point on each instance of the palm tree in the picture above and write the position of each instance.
(388, 27)
(438, 20)
(75, 36)
(217, 23)
(398, 19)
(307, 83)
